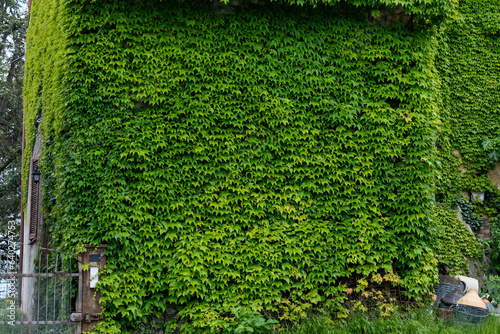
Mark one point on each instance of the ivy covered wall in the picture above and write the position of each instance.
(468, 61)
(469, 66)
(257, 156)
(454, 243)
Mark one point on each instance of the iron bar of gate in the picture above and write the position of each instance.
(38, 292)
(46, 265)
(26, 322)
(55, 287)
(69, 295)
(42, 275)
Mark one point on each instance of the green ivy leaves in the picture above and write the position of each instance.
(454, 242)
(492, 145)
(238, 157)
(468, 62)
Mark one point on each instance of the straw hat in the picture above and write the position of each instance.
(472, 299)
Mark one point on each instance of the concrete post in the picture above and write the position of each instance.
(90, 306)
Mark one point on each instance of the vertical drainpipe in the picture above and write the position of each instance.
(29, 11)
(23, 145)
(21, 248)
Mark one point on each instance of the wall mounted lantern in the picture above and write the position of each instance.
(36, 175)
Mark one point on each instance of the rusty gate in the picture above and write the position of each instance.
(42, 296)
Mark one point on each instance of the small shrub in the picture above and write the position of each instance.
(248, 321)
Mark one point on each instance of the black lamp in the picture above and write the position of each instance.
(36, 175)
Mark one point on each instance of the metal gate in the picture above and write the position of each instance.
(41, 293)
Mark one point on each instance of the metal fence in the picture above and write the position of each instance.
(39, 293)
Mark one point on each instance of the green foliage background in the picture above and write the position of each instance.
(235, 155)
(468, 61)
(469, 66)
(454, 242)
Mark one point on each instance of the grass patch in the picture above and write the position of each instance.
(420, 321)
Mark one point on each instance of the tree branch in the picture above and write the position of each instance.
(10, 160)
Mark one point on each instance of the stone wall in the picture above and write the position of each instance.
(494, 175)
(484, 233)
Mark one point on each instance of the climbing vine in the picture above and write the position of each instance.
(468, 64)
(492, 203)
(468, 215)
(236, 157)
(493, 146)
(454, 243)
